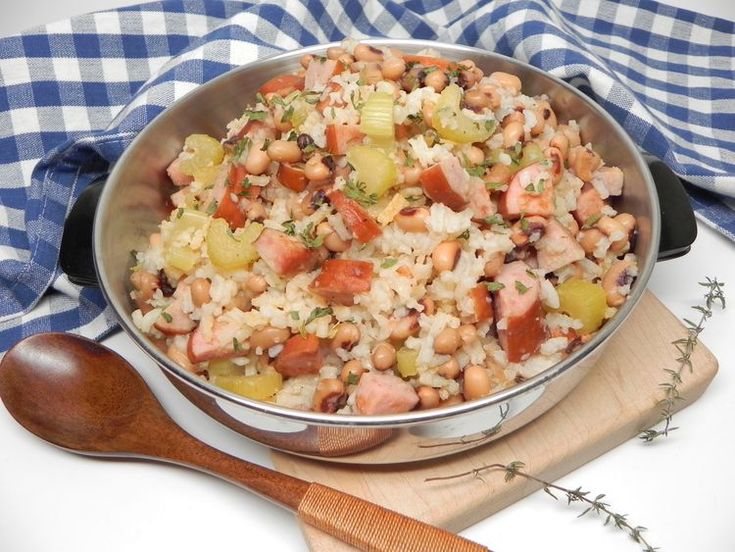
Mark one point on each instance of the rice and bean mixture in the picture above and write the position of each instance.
(381, 232)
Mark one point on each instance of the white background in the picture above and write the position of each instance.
(681, 489)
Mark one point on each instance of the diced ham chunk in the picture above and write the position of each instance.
(177, 176)
(258, 131)
(292, 177)
(557, 247)
(319, 72)
(301, 355)
(448, 183)
(282, 85)
(341, 136)
(285, 255)
(480, 203)
(518, 311)
(589, 205)
(483, 303)
(608, 181)
(220, 345)
(384, 394)
(530, 192)
(341, 279)
(355, 217)
(174, 321)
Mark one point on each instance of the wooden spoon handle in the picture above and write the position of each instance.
(373, 528)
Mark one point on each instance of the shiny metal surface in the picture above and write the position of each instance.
(135, 201)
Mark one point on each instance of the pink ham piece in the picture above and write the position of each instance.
(319, 72)
(519, 314)
(589, 205)
(530, 192)
(177, 176)
(480, 203)
(285, 255)
(384, 394)
(557, 247)
(448, 183)
(609, 180)
(220, 345)
(300, 355)
(174, 321)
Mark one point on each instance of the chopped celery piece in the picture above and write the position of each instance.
(181, 258)
(406, 361)
(223, 367)
(584, 301)
(531, 153)
(260, 386)
(205, 151)
(452, 124)
(376, 118)
(187, 219)
(374, 168)
(232, 251)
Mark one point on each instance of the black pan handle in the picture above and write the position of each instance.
(678, 225)
(76, 257)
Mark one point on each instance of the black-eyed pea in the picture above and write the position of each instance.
(411, 175)
(412, 219)
(334, 52)
(627, 221)
(585, 163)
(476, 382)
(512, 117)
(616, 276)
(364, 52)
(346, 59)
(257, 161)
(557, 162)
(475, 156)
(383, 356)
(334, 243)
(513, 133)
(284, 151)
(306, 60)
(571, 135)
(446, 255)
(256, 284)
(145, 283)
(351, 371)
(405, 327)
(200, 291)
(560, 142)
(494, 265)
(268, 337)
(616, 232)
(540, 122)
(429, 305)
(450, 369)
(491, 91)
(437, 80)
(451, 401)
(393, 68)
(180, 358)
(256, 211)
(475, 100)
(547, 113)
(345, 336)
(467, 333)
(329, 395)
(447, 341)
(428, 397)
(427, 111)
(371, 74)
(589, 239)
(507, 81)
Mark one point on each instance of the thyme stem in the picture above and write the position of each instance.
(596, 505)
(685, 346)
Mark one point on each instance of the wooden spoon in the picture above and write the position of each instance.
(85, 398)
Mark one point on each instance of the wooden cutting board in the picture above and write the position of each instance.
(611, 405)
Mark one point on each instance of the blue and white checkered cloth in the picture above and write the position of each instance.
(73, 94)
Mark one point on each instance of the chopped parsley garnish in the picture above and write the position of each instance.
(536, 188)
(409, 161)
(310, 238)
(521, 288)
(259, 98)
(494, 185)
(479, 170)
(236, 346)
(310, 148)
(389, 262)
(464, 235)
(288, 114)
(531, 273)
(311, 97)
(590, 221)
(245, 186)
(415, 117)
(294, 315)
(167, 317)
(318, 312)
(352, 378)
(490, 125)
(179, 212)
(240, 147)
(266, 143)
(356, 190)
(524, 223)
(496, 220)
(494, 286)
(289, 227)
(412, 198)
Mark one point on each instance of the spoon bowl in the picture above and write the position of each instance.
(83, 397)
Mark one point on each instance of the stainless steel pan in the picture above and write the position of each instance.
(134, 201)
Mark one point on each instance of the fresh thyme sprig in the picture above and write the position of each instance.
(595, 505)
(685, 346)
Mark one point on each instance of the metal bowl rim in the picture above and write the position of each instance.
(414, 417)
